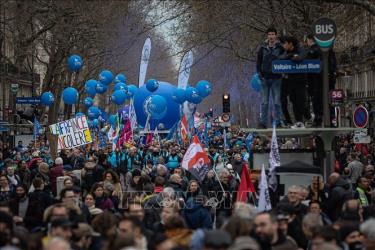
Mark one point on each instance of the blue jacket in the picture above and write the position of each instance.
(173, 161)
(196, 215)
(115, 160)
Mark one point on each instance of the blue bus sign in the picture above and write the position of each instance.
(291, 67)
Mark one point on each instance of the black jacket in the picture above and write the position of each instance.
(264, 60)
(339, 193)
(297, 55)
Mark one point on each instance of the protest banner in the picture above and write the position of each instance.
(71, 133)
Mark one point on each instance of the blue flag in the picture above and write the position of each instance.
(172, 133)
(206, 139)
(249, 141)
(37, 128)
(102, 142)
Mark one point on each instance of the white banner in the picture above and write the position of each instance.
(264, 203)
(146, 52)
(183, 78)
(72, 133)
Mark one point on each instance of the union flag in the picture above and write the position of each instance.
(184, 129)
(196, 159)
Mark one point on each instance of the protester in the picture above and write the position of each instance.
(295, 82)
(271, 83)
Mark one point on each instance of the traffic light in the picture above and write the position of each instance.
(226, 103)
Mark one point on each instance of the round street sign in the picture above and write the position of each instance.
(14, 88)
(360, 117)
(325, 32)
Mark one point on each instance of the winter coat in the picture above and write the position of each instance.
(264, 60)
(177, 189)
(38, 202)
(283, 242)
(54, 173)
(339, 193)
(152, 211)
(297, 54)
(91, 174)
(104, 203)
(196, 215)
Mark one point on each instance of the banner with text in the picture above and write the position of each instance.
(291, 67)
(71, 133)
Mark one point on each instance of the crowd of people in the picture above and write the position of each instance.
(300, 89)
(139, 197)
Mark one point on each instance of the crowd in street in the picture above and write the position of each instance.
(139, 197)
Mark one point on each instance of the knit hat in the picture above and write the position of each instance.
(59, 161)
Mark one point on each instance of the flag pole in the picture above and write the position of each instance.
(130, 109)
(146, 129)
(221, 185)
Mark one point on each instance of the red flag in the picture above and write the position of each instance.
(196, 159)
(246, 185)
(184, 129)
(149, 139)
(126, 134)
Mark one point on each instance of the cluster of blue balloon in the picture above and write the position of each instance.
(70, 94)
(191, 94)
(161, 102)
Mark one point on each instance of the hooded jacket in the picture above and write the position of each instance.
(339, 193)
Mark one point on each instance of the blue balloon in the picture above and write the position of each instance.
(204, 88)
(120, 78)
(179, 96)
(90, 86)
(192, 95)
(121, 85)
(47, 98)
(155, 106)
(132, 90)
(88, 102)
(152, 85)
(103, 117)
(197, 99)
(106, 77)
(75, 63)
(70, 95)
(119, 97)
(256, 83)
(172, 114)
(112, 120)
(95, 123)
(79, 114)
(90, 123)
(93, 112)
(101, 88)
